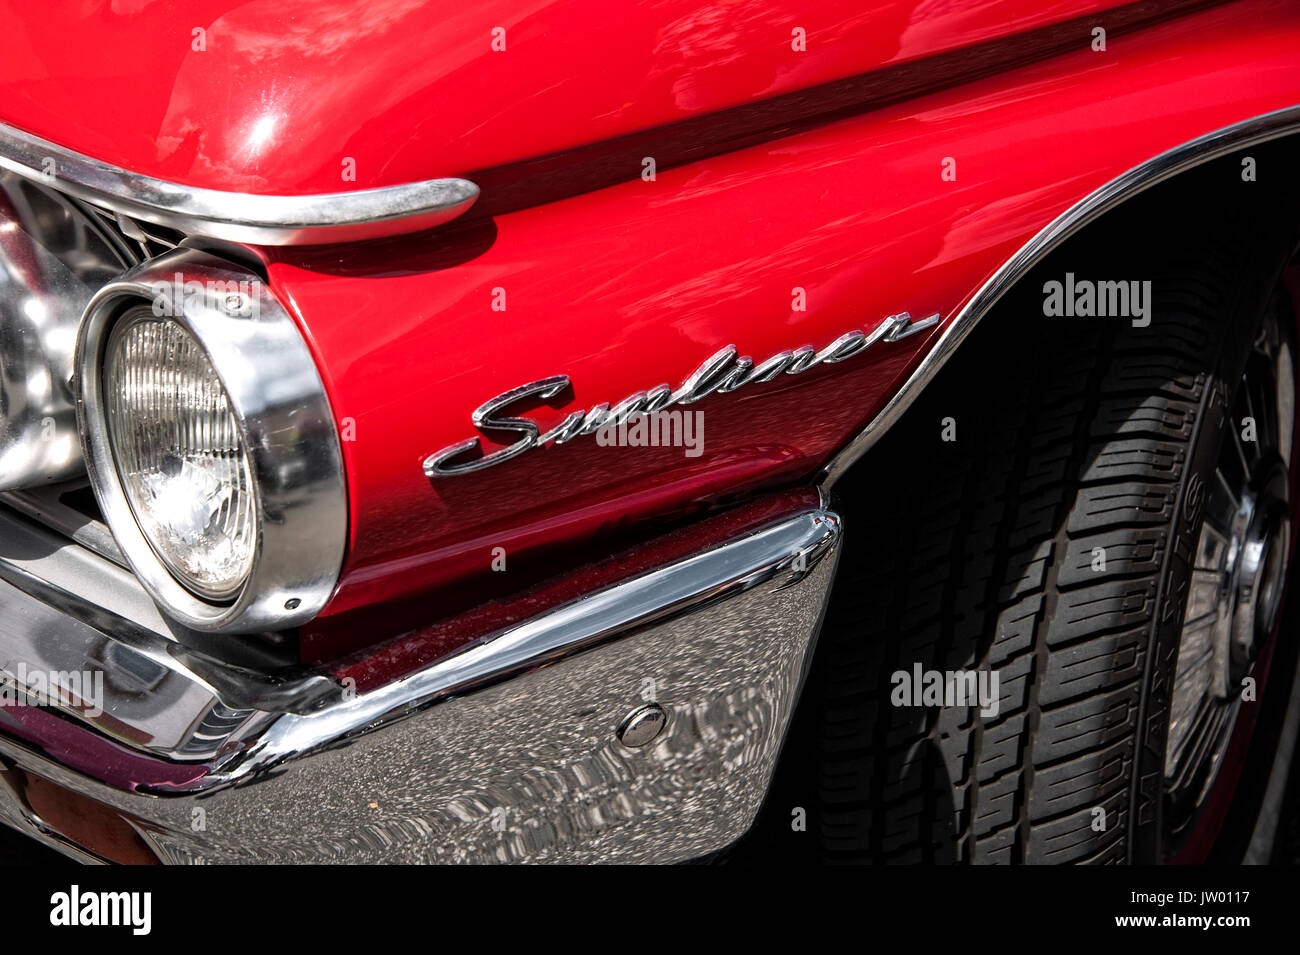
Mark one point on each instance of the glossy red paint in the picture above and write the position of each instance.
(637, 284)
(275, 96)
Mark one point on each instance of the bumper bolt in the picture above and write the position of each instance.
(642, 725)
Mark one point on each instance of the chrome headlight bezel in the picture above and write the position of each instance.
(288, 430)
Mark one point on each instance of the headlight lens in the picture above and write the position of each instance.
(179, 454)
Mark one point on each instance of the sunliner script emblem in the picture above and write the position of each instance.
(725, 371)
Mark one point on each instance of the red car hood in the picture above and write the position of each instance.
(281, 96)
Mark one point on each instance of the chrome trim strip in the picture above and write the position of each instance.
(236, 216)
(1195, 152)
(781, 555)
(289, 432)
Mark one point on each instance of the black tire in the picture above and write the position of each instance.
(977, 555)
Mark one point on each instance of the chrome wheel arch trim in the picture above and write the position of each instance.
(311, 219)
(1166, 165)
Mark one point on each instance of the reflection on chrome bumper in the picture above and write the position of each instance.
(506, 751)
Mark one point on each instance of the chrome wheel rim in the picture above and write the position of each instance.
(1238, 577)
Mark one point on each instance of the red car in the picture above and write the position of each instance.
(439, 432)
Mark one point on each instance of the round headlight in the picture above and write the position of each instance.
(179, 453)
(210, 444)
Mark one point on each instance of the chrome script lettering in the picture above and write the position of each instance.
(724, 371)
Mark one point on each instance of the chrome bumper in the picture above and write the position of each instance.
(507, 751)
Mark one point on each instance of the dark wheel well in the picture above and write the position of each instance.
(1211, 207)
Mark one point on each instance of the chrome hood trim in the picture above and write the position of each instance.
(235, 216)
